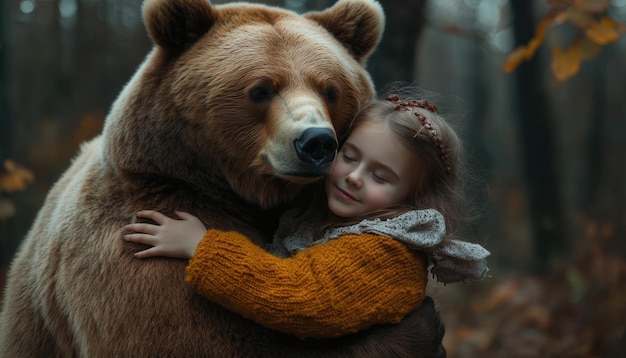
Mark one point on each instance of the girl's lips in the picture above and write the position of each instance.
(345, 195)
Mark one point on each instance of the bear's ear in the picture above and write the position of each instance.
(177, 24)
(357, 24)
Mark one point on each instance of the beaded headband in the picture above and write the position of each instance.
(406, 105)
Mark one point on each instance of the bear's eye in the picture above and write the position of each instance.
(261, 94)
(331, 95)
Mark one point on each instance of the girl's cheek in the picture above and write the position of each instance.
(332, 174)
(335, 170)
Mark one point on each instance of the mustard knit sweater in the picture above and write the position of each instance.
(328, 290)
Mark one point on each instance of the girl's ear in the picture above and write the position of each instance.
(177, 24)
(357, 24)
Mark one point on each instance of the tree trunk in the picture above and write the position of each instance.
(595, 132)
(480, 161)
(394, 60)
(5, 111)
(538, 144)
(7, 247)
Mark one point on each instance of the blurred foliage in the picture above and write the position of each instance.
(51, 150)
(593, 29)
(47, 156)
(576, 311)
(12, 178)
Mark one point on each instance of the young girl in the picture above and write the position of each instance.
(358, 256)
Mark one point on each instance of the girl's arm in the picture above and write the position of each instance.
(328, 290)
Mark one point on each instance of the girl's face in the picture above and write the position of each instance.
(373, 171)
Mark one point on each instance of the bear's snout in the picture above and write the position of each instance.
(316, 146)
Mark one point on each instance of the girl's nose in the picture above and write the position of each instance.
(354, 179)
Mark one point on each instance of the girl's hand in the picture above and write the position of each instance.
(170, 238)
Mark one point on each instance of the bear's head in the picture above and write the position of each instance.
(242, 96)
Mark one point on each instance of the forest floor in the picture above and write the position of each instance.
(578, 310)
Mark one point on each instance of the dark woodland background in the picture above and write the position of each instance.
(548, 154)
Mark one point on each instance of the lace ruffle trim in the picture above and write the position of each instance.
(424, 230)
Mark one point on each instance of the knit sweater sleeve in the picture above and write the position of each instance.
(328, 290)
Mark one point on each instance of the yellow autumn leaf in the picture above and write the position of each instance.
(548, 21)
(15, 177)
(526, 52)
(514, 59)
(566, 63)
(605, 31)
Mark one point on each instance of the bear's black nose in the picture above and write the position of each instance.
(316, 146)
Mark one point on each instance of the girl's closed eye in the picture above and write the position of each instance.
(379, 178)
(348, 157)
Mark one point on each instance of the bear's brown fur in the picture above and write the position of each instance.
(216, 121)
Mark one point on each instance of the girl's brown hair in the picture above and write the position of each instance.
(440, 186)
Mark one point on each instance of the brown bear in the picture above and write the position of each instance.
(233, 112)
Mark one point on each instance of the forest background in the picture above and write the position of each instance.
(536, 87)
